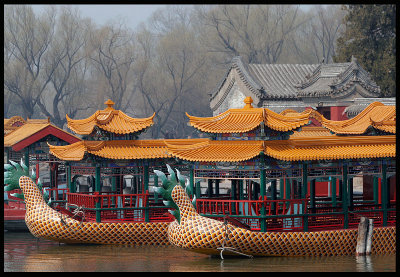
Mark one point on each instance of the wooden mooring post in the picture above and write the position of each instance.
(369, 236)
(364, 238)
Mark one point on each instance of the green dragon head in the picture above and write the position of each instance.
(13, 172)
(168, 185)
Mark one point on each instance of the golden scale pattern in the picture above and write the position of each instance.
(205, 235)
(195, 232)
(44, 222)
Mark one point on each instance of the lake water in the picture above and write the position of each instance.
(22, 252)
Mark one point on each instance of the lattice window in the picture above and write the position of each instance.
(364, 169)
(391, 167)
(80, 170)
(324, 171)
(228, 174)
(284, 173)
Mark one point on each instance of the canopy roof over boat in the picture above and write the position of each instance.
(32, 130)
(206, 150)
(248, 118)
(10, 124)
(118, 149)
(111, 120)
(376, 115)
(346, 139)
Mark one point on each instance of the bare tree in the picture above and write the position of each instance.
(167, 72)
(326, 27)
(316, 40)
(114, 55)
(258, 33)
(28, 38)
(68, 52)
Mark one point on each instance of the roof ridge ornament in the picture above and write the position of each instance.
(109, 104)
(248, 100)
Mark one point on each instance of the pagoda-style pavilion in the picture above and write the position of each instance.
(26, 140)
(272, 160)
(258, 146)
(118, 163)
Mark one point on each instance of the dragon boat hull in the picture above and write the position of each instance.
(208, 236)
(194, 232)
(47, 223)
(211, 240)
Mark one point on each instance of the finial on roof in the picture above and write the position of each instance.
(353, 59)
(109, 104)
(248, 100)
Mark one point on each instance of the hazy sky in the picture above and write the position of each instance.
(133, 14)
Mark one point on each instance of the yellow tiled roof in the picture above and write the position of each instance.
(376, 114)
(111, 120)
(336, 148)
(9, 122)
(312, 131)
(205, 150)
(30, 128)
(294, 149)
(210, 151)
(248, 118)
(22, 132)
(13, 123)
(118, 149)
(385, 125)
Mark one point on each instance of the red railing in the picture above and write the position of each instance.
(57, 194)
(118, 207)
(108, 200)
(287, 212)
(249, 207)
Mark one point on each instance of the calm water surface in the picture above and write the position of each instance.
(22, 252)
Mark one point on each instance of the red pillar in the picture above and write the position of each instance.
(37, 172)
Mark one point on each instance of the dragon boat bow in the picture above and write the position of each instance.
(194, 232)
(47, 223)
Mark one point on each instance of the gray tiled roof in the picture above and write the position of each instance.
(294, 81)
(337, 80)
(279, 80)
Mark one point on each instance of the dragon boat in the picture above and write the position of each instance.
(47, 223)
(189, 231)
(197, 233)
(291, 187)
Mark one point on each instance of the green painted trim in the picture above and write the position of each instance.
(333, 191)
(241, 192)
(376, 189)
(312, 195)
(263, 188)
(26, 156)
(97, 189)
(345, 198)
(384, 194)
(305, 181)
(191, 178)
(146, 189)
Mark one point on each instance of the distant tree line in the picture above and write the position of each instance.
(58, 62)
